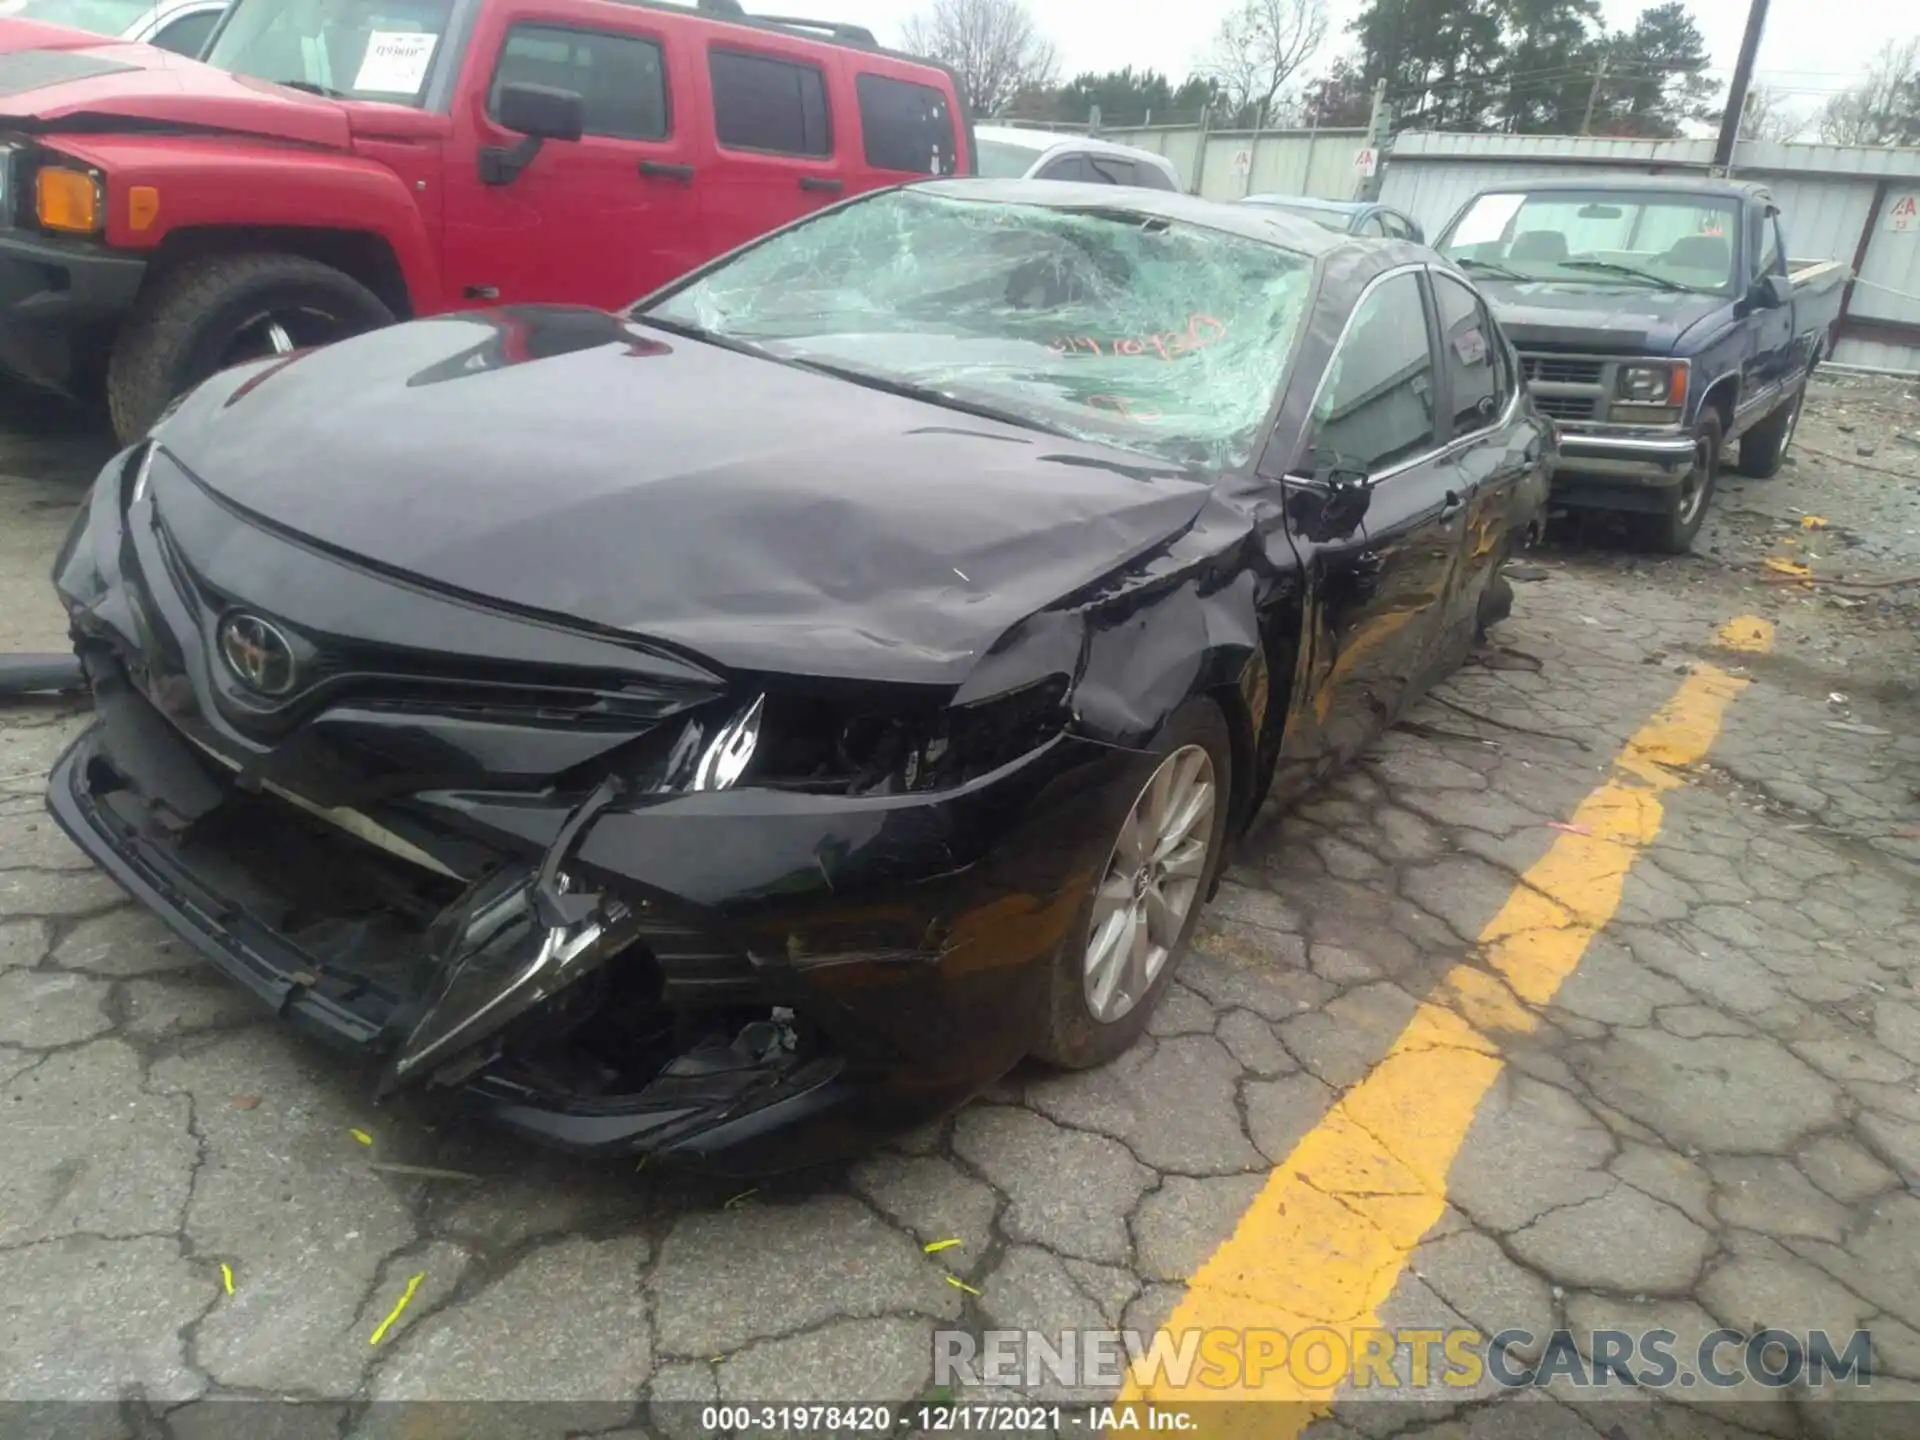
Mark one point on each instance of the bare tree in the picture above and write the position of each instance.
(1771, 115)
(1884, 107)
(1261, 46)
(992, 45)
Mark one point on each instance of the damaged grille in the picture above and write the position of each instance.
(1556, 371)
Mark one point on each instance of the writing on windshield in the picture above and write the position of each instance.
(1106, 325)
(353, 49)
(1600, 237)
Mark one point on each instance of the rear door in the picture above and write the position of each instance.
(774, 149)
(597, 221)
(1376, 595)
(1492, 456)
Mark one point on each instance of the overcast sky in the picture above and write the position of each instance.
(1813, 46)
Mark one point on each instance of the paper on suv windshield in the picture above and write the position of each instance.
(1487, 220)
(395, 62)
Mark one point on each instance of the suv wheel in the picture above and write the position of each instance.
(223, 310)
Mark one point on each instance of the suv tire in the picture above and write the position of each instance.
(222, 310)
(1672, 531)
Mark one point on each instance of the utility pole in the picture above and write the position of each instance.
(1737, 92)
(1593, 96)
(1379, 132)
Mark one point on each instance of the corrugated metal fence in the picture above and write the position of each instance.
(1856, 204)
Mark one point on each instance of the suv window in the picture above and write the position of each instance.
(760, 103)
(1375, 406)
(1397, 226)
(622, 78)
(906, 126)
(1111, 170)
(187, 35)
(1471, 350)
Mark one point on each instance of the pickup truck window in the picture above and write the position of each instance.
(352, 49)
(1769, 258)
(621, 77)
(760, 103)
(1606, 237)
(1375, 407)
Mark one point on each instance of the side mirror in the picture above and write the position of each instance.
(1772, 292)
(541, 111)
(1333, 506)
(538, 113)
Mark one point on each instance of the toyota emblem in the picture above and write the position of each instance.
(258, 653)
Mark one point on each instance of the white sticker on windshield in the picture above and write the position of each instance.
(396, 62)
(1487, 220)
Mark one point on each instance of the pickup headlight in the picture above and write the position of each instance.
(1652, 384)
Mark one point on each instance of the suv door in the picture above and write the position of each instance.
(1376, 595)
(596, 221)
(774, 149)
(905, 127)
(1493, 456)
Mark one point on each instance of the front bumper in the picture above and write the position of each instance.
(60, 303)
(911, 937)
(1620, 470)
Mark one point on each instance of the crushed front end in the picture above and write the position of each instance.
(618, 899)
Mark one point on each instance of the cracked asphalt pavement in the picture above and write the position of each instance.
(1714, 1121)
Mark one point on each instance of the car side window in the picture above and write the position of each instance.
(1371, 226)
(1376, 402)
(1068, 167)
(1110, 170)
(621, 78)
(1769, 260)
(1475, 358)
(1152, 177)
(1397, 226)
(906, 126)
(187, 35)
(760, 103)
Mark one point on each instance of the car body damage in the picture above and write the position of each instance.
(674, 737)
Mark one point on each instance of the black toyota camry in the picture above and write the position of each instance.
(736, 728)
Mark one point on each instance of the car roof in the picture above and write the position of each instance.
(1672, 184)
(1253, 222)
(1050, 140)
(1309, 202)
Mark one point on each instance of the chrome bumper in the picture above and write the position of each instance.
(1652, 461)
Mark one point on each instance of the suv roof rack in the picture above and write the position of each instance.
(733, 10)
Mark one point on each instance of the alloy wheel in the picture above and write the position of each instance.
(1151, 884)
(1693, 492)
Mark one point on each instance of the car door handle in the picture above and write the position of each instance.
(821, 182)
(665, 170)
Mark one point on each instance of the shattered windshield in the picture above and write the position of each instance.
(1155, 335)
(350, 49)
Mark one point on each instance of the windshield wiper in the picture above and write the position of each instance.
(908, 390)
(315, 89)
(1493, 267)
(1614, 267)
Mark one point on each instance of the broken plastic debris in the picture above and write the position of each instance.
(406, 1299)
(1569, 828)
(425, 1172)
(245, 1102)
(1786, 567)
(741, 1198)
(1835, 697)
(959, 1284)
(1812, 522)
(361, 1136)
(937, 1246)
(226, 1276)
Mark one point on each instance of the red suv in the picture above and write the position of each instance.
(337, 164)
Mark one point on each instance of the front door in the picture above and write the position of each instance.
(1377, 591)
(1770, 358)
(596, 221)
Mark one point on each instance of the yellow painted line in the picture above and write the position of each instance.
(1325, 1241)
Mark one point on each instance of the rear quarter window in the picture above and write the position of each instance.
(906, 127)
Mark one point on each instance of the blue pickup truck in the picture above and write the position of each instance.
(1659, 322)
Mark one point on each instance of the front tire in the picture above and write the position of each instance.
(1136, 921)
(222, 310)
(1763, 449)
(1672, 532)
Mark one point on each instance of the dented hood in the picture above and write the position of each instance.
(63, 80)
(758, 515)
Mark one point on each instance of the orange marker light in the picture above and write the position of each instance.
(1677, 387)
(143, 204)
(67, 200)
